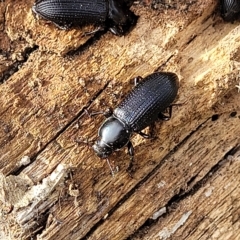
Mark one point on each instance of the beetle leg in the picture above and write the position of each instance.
(111, 169)
(88, 143)
(165, 117)
(94, 31)
(63, 26)
(144, 135)
(137, 80)
(121, 30)
(131, 153)
(106, 113)
(130, 149)
(116, 30)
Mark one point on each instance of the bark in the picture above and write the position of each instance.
(185, 183)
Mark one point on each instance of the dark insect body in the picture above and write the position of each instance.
(141, 108)
(112, 14)
(230, 10)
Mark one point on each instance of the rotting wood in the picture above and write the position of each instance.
(210, 212)
(94, 67)
(173, 176)
(39, 32)
(42, 116)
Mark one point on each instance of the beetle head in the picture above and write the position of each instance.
(121, 18)
(101, 149)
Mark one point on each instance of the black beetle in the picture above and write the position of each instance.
(112, 14)
(141, 107)
(230, 10)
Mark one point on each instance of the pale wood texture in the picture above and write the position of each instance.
(52, 186)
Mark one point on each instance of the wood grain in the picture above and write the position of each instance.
(52, 184)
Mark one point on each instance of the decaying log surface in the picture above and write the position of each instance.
(186, 181)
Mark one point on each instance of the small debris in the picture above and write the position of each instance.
(161, 184)
(24, 161)
(73, 192)
(82, 82)
(238, 87)
(166, 233)
(105, 216)
(159, 213)
(208, 193)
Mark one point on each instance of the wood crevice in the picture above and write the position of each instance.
(77, 116)
(91, 41)
(16, 66)
(44, 112)
(173, 200)
(183, 195)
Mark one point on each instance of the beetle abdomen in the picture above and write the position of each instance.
(230, 9)
(150, 97)
(72, 12)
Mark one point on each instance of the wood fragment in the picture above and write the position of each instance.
(52, 184)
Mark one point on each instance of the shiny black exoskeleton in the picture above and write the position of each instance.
(230, 10)
(112, 14)
(141, 107)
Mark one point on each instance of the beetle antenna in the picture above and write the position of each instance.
(112, 172)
